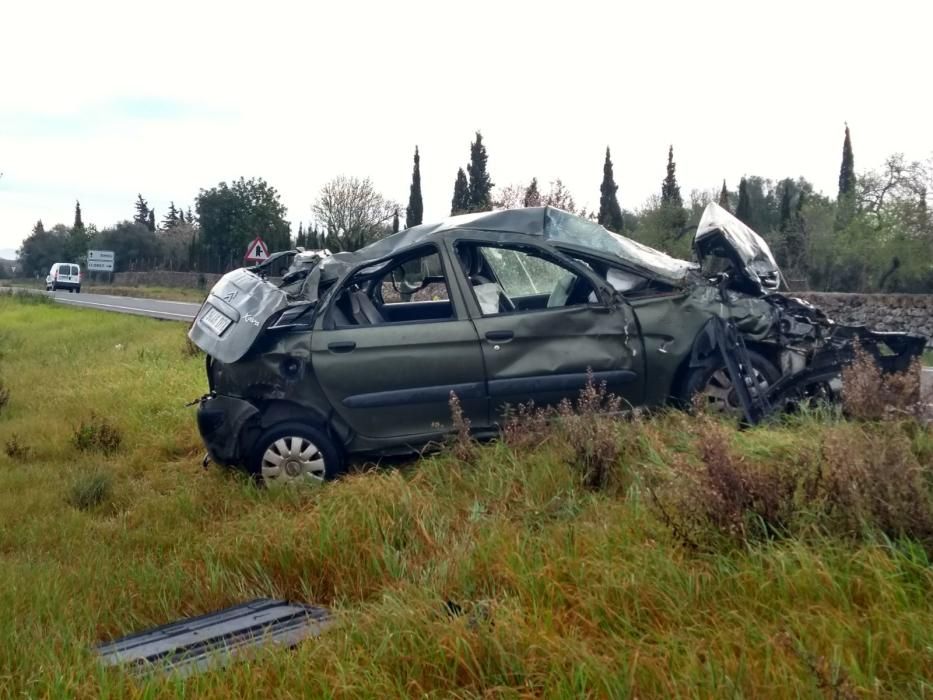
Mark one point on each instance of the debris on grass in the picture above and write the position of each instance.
(211, 641)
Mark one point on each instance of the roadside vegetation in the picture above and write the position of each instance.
(652, 556)
(189, 294)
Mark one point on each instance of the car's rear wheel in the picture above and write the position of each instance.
(716, 391)
(295, 453)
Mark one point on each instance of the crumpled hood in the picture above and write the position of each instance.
(235, 312)
(720, 231)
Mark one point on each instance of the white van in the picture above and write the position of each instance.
(64, 276)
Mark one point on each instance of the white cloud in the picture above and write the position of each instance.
(101, 100)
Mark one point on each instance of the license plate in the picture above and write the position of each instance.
(216, 321)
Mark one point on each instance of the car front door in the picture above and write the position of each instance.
(544, 322)
(388, 358)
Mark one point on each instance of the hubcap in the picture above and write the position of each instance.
(720, 394)
(293, 459)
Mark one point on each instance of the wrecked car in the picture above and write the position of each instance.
(359, 352)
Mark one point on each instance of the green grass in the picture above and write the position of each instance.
(142, 292)
(566, 592)
(928, 358)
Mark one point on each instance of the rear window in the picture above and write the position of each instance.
(69, 269)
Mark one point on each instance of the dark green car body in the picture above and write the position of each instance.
(499, 309)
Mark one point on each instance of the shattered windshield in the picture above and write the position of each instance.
(561, 227)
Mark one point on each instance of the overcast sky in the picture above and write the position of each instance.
(101, 100)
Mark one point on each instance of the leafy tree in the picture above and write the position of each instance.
(42, 248)
(175, 246)
(532, 198)
(460, 203)
(610, 213)
(135, 245)
(743, 210)
(142, 211)
(231, 216)
(480, 183)
(171, 219)
(724, 197)
(559, 197)
(670, 190)
(352, 214)
(414, 213)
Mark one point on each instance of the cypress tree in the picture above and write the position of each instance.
(785, 224)
(171, 219)
(798, 212)
(670, 190)
(142, 211)
(300, 241)
(460, 203)
(181, 215)
(151, 220)
(38, 228)
(845, 202)
(395, 221)
(414, 213)
(743, 210)
(532, 197)
(480, 183)
(724, 197)
(610, 213)
(79, 224)
(847, 169)
(190, 216)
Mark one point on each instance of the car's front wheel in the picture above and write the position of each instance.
(295, 453)
(715, 389)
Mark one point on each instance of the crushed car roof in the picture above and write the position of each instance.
(553, 225)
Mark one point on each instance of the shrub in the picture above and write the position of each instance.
(16, 450)
(461, 443)
(189, 349)
(91, 490)
(588, 426)
(868, 394)
(97, 435)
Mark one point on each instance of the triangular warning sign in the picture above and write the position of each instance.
(257, 251)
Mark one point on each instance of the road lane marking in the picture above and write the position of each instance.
(187, 317)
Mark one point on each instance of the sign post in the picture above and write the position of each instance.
(100, 261)
(257, 251)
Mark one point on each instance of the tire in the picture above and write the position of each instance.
(71, 290)
(314, 459)
(77, 290)
(54, 288)
(717, 385)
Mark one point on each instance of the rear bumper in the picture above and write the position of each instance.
(221, 420)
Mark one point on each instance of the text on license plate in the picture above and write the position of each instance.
(215, 320)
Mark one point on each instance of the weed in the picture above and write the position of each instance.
(461, 444)
(97, 434)
(869, 394)
(4, 395)
(90, 490)
(16, 450)
(589, 426)
(189, 349)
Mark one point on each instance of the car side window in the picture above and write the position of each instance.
(505, 280)
(411, 289)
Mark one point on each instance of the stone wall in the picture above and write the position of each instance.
(163, 278)
(884, 312)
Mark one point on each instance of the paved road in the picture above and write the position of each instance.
(155, 308)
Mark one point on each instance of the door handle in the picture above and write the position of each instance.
(342, 346)
(499, 336)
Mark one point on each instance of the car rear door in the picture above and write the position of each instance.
(389, 373)
(542, 353)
